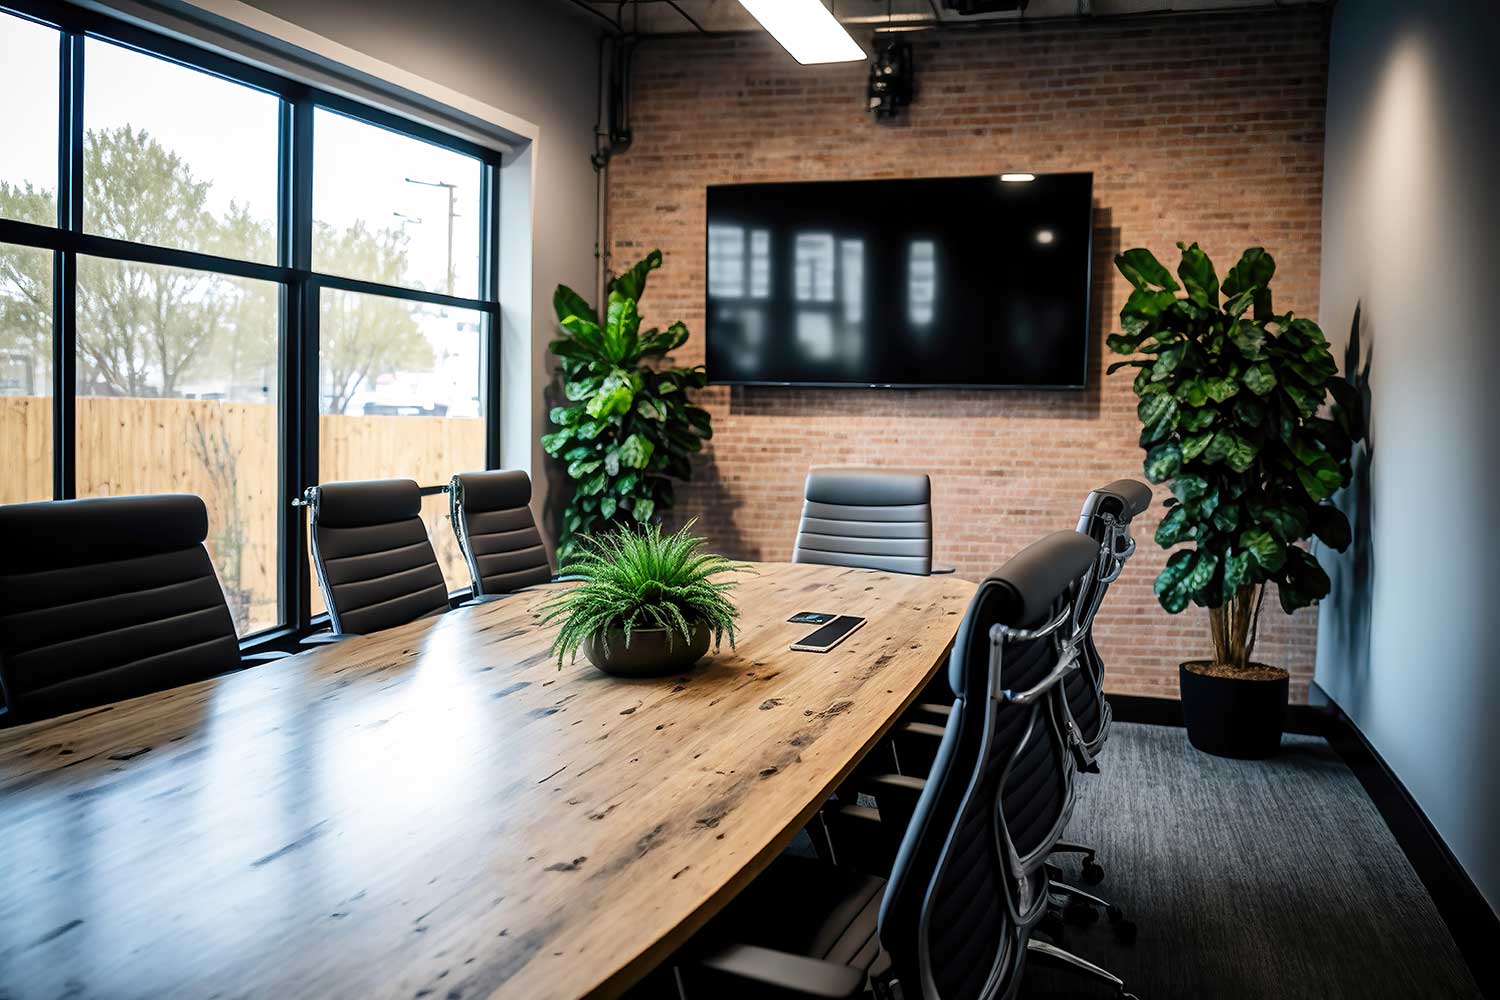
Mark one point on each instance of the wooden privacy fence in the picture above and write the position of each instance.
(227, 453)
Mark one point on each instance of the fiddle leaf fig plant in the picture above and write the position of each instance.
(628, 428)
(1230, 400)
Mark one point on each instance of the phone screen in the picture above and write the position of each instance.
(829, 635)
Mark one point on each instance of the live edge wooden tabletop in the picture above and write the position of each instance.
(438, 811)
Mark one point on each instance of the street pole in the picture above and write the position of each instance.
(452, 214)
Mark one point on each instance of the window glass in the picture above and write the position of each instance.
(176, 157)
(25, 373)
(394, 209)
(400, 398)
(177, 393)
(28, 145)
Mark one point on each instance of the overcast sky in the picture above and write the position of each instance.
(227, 133)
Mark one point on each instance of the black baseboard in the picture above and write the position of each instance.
(1475, 927)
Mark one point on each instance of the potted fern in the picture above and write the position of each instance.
(1231, 408)
(648, 603)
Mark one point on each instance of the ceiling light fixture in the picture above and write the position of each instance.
(806, 29)
(1017, 178)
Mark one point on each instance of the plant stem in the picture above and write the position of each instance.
(1233, 627)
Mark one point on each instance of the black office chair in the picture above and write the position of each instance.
(1084, 713)
(868, 519)
(955, 919)
(497, 532)
(374, 561)
(106, 599)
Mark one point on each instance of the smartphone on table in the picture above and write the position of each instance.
(830, 635)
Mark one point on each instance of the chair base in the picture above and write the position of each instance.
(1047, 950)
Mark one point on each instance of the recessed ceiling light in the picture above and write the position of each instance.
(1017, 178)
(806, 29)
(1045, 236)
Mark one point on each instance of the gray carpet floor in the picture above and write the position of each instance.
(1260, 879)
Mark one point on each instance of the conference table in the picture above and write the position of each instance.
(440, 810)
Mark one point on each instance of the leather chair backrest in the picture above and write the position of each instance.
(375, 563)
(998, 789)
(1107, 513)
(105, 599)
(497, 532)
(866, 518)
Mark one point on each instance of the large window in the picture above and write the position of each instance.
(219, 282)
(28, 149)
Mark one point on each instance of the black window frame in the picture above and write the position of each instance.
(300, 285)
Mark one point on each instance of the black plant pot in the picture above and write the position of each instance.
(1233, 716)
(651, 652)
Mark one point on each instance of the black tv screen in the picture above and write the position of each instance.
(962, 281)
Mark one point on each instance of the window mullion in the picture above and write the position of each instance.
(65, 268)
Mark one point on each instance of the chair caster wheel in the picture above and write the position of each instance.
(1093, 873)
(1079, 913)
(1125, 931)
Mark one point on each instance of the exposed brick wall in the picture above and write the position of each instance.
(1206, 128)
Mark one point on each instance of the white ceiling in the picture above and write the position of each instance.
(659, 17)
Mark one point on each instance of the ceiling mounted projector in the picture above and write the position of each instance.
(964, 8)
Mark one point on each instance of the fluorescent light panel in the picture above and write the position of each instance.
(806, 29)
(1017, 178)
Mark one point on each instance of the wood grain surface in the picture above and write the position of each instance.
(438, 811)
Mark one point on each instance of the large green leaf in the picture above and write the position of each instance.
(1155, 407)
(1238, 570)
(583, 468)
(635, 451)
(632, 284)
(1267, 550)
(1304, 582)
(1260, 379)
(1143, 309)
(1255, 269)
(1173, 528)
(1193, 391)
(1198, 277)
(1239, 452)
(1331, 526)
(1122, 344)
(1194, 445)
(1168, 360)
(566, 302)
(614, 397)
(1163, 462)
(1221, 388)
(1321, 479)
(553, 443)
(1249, 411)
(1286, 522)
(1197, 420)
(643, 508)
(1169, 582)
(1141, 268)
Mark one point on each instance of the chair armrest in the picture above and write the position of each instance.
(796, 975)
(325, 638)
(265, 656)
(938, 570)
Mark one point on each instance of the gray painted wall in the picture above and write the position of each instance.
(1407, 640)
(532, 58)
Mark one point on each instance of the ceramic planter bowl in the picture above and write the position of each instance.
(649, 653)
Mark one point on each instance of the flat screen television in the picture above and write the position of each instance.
(960, 281)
